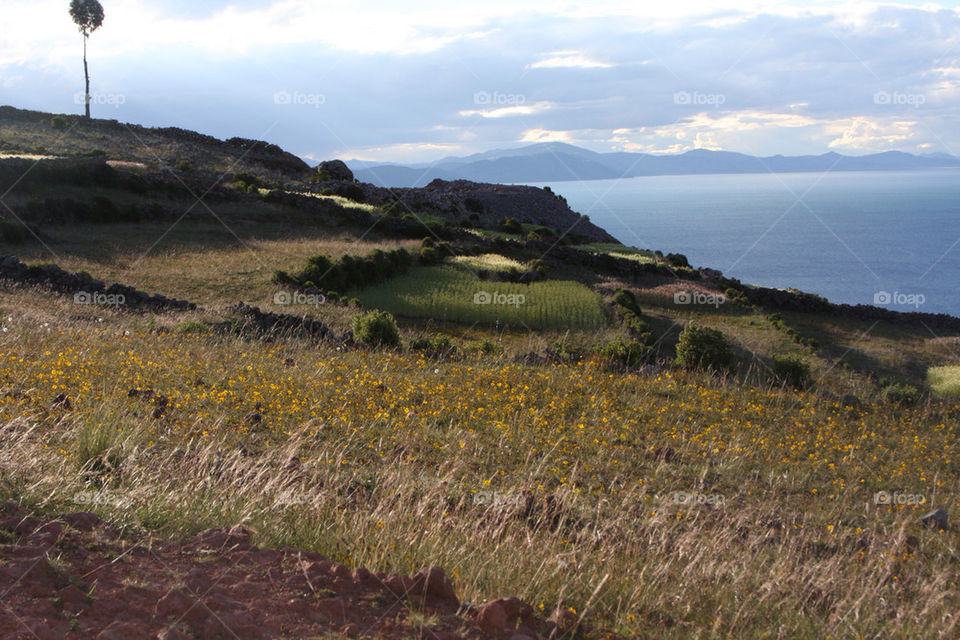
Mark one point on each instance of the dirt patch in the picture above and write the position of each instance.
(77, 577)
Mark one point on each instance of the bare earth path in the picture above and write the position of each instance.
(78, 577)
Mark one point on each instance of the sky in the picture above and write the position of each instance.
(419, 80)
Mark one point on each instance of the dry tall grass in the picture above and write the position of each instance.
(666, 506)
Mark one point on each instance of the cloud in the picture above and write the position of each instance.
(506, 112)
(568, 60)
(430, 77)
(543, 135)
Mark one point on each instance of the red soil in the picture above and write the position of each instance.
(77, 577)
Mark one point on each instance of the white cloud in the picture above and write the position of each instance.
(568, 59)
(512, 110)
(544, 135)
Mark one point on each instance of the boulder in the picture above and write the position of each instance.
(336, 169)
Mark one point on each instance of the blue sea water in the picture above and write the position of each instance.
(885, 238)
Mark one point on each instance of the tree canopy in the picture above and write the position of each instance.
(88, 14)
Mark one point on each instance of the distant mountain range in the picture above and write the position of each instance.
(557, 161)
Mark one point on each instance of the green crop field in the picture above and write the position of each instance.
(944, 381)
(451, 293)
(489, 261)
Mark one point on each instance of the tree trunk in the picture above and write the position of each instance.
(86, 75)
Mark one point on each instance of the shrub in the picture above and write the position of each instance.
(627, 300)
(486, 346)
(194, 327)
(510, 225)
(677, 260)
(58, 122)
(627, 353)
(429, 255)
(351, 191)
(791, 370)
(704, 348)
(376, 329)
(435, 346)
(904, 395)
(184, 167)
(736, 296)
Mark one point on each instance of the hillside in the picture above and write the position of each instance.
(587, 437)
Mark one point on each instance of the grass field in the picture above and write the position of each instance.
(489, 261)
(631, 497)
(447, 293)
(619, 250)
(944, 381)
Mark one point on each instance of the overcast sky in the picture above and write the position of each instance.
(419, 80)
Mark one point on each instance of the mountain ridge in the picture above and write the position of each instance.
(557, 162)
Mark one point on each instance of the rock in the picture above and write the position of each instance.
(432, 584)
(564, 619)
(82, 520)
(516, 609)
(237, 536)
(491, 617)
(336, 169)
(936, 519)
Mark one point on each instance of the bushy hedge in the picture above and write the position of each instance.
(791, 370)
(376, 329)
(349, 271)
(703, 348)
(632, 315)
(901, 394)
(625, 352)
(435, 346)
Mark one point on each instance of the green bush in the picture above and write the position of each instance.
(626, 353)
(58, 122)
(349, 271)
(351, 191)
(791, 370)
(901, 394)
(376, 329)
(736, 297)
(485, 346)
(184, 167)
(627, 300)
(435, 346)
(677, 260)
(704, 348)
(510, 225)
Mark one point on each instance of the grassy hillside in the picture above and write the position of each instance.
(545, 442)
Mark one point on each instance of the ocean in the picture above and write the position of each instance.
(885, 238)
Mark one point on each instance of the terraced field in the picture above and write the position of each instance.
(454, 294)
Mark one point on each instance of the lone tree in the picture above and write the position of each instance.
(88, 14)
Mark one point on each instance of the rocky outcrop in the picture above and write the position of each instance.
(265, 322)
(335, 170)
(85, 289)
(487, 204)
